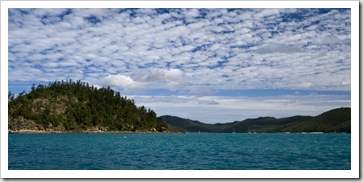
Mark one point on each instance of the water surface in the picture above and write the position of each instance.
(207, 151)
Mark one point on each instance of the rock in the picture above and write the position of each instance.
(103, 128)
(60, 128)
(162, 129)
(40, 127)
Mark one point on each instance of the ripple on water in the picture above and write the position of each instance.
(179, 151)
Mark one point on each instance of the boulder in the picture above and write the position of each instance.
(162, 129)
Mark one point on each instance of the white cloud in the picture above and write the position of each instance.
(278, 48)
(155, 78)
(223, 49)
(190, 13)
(120, 81)
(266, 12)
(161, 78)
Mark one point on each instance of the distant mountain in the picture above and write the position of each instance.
(336, 120)
(268, 124)
(181, 124)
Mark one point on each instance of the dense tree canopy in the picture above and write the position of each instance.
(78, 106)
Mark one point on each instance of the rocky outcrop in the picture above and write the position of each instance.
(20, 123)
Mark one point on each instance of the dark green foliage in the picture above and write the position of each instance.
(180, 124)
(267, 124)
(336, 120)
(68, 105)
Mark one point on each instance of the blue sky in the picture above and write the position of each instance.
(212, 65)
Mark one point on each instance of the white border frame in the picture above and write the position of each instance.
(353, 173)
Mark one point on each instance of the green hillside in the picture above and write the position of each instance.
(267, 124)
(336, 120)
(77, 106)
(181, 124)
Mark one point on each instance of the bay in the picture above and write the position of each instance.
(192, 151)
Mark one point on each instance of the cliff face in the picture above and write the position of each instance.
(77, 107)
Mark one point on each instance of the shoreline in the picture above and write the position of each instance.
(81, 132)
(141, 132)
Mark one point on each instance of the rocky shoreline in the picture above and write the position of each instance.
(80, 132)
(23, 131)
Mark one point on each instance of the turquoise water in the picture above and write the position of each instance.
(179, 151)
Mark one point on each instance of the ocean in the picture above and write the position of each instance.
(192, 151)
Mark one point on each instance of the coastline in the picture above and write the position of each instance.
(135, 132)
(81, 132)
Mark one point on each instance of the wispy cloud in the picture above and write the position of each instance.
(244, 48)
(278, 48)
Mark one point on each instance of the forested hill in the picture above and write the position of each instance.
(76, 106)
(336, 120)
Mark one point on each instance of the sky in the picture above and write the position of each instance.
(212, 65)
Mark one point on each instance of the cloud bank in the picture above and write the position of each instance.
(217, 48)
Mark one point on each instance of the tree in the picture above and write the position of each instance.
(11, 97)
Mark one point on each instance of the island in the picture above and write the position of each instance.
(77, 107)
